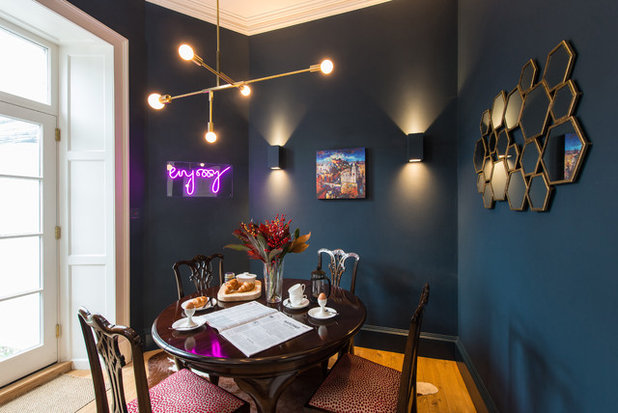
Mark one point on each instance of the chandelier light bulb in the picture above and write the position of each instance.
(245, 90)
(154, 100)
(186, 52)
(210, 137)
(326, 66)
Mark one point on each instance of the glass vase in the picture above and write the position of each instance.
(273, 281)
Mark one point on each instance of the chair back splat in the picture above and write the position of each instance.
(337, 265)
(406, 401)
(106, 346)
(200, 270)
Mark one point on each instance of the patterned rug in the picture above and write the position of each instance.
(292, 400)
(65, 394)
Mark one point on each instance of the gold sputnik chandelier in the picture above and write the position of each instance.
(186, 52)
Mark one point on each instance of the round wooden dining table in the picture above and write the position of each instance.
(264, 375)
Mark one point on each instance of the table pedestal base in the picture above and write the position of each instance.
(265, 392)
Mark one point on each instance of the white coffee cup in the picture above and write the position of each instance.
(296, 289)
(297, 300)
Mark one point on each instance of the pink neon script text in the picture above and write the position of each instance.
(175, 173)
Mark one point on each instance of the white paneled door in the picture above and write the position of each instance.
(28, 257)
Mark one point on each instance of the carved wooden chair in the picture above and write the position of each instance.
(200, 270)
(337, 265)
(357, 385)
(183, 391)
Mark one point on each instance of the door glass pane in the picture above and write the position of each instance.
(20, 324)
(23, 71)
(20, 206)
(20, 147)
(21, 261)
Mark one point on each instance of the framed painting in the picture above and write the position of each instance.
(340, 173)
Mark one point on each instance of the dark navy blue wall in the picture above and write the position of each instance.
(537, 291)
(395, 73)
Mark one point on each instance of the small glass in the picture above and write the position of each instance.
(229, 276)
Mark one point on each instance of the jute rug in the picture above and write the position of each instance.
(292, 400)
(65, 394)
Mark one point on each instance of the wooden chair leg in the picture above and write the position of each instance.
(324, 368)
(214, 379)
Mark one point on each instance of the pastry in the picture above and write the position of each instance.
(246, 286)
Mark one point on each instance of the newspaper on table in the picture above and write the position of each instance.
(254, 327)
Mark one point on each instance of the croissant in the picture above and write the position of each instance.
(233, 284)
(197, 302)
(228, 289)
(246, 286)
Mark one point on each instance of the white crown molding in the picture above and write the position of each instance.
(300, 12)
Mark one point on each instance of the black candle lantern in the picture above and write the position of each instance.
(320, 283)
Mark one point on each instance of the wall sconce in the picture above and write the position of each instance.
(275, 157)
(414, 147)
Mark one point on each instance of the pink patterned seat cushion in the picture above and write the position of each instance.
(356, 385)
(186, 392)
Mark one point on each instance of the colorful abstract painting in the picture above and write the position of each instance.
(340, 173)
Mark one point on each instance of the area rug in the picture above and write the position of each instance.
(65, 394)
(292, 400)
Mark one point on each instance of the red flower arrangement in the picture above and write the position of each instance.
(270, 241)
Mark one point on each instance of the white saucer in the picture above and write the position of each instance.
(288, 304)
(209, 304)
(181, 324)
(316, 312)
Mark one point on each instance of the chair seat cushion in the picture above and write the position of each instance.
(357, 385)
(186, 392)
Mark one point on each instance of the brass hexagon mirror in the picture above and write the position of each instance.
(499, 179)
(564, 152)
(530, 157)
(535, 112)
(488, 168)
(538, 193)
(565, 99)
(480, 152)
(512, 157)
(528, 76)
(559, 65)
(485, 122)
(516, 190)
(512, 114)
(480, 183)
(497, 110)
(488, 197)
(530, 139)
(502, 143)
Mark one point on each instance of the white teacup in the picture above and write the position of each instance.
(297, 300)
(296, 289)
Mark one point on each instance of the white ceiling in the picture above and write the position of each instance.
(251, 17)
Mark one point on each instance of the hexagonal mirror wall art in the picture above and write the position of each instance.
(564, 152)
(497, 110)
(485, 122)
(530, 157)
(528, 76)
(539, 192)
(502, 143)
(565, 99)
(531, 139)
(499, 179)
(559, 65)
(535, 112)
(514, 102)
(516, 190)
(512, 157)
(480, 152)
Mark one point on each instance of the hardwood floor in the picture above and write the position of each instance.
(452, 396)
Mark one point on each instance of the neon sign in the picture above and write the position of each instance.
(193, 179)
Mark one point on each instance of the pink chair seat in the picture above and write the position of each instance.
(186, 392)
(356, 385)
